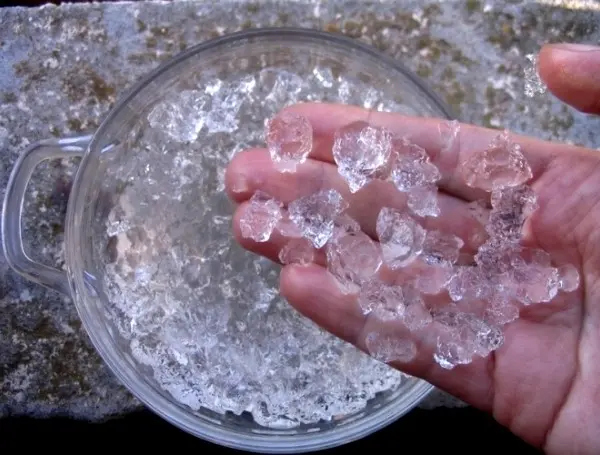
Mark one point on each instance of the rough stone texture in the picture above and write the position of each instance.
(61, 69)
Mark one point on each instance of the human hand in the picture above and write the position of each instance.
(544, 382)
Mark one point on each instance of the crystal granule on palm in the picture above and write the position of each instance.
(315, 215)
(474, 293)
(260, 217)
(289, 140)
(361, 152)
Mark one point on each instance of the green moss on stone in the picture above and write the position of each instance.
(423, 70)
(473, 6)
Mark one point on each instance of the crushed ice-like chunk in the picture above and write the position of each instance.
(352, 259)
(384, 300)
(345, 224)
(423, 200)
(181, 118)
(569, 278)
(212, 87)
(441, 248)
(401, 237)
(247, 84)
(411, 167)
(361, 152)
(465, 336)
(315, 215)
(116, 227)
(466, 283)
(324, 76)
(432, 278)
(449, 136)
(494, 256)
(510, 209)
(533, 278)
(533, 82)
(389, 348)
(224, 107)
(260, 217)
(500, 165)
(450, 353)
(289, 140)
(297, 251)
(501, 312)
(416, 315)
(286, 227)
(285, 89)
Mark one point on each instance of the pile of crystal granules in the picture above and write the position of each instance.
(417, 280)
(202, 317)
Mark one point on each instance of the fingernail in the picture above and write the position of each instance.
(572, 47)
(240, 184)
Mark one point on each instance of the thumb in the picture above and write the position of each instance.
(572, 74)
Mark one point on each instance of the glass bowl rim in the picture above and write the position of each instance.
(126, 374)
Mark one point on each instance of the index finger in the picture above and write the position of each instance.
(423, 131)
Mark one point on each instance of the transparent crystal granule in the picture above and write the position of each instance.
(353, 258)
(533, 82)
(324, 77)
(423, 201)
(450, 353)
(501, 311)
(463, 336)
(286, 227)
(569, 278)
(416, 315)
(361, 152)
(401, 237)
(510, 209)
(500, 165)
(181, 117)
(441, 247)
(384, 300)
(467, 283)
(390, 348)
(432, 278)
(289, 140)
(345, 224)
(297, 251)
(449, 136)
(260, 217)
(225, 104)
(315, 215)
(533, 279)
(411, 167)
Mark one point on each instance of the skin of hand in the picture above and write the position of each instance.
(543, 383)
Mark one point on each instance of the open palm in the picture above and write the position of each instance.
(544, 382)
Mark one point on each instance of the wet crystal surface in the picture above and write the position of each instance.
(260, 217)
(289, 140)
(401, 237)
(361, 152)
(297, 251)
(315, 215)
(498, 166)
(353, 258)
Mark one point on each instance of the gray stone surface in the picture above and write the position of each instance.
(61, 69)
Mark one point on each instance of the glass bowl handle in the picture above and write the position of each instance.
(12, 211)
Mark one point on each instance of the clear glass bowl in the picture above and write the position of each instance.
(115, 158)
